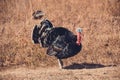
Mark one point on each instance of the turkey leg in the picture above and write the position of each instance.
(60, 62)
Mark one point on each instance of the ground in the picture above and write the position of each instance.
(54, 73)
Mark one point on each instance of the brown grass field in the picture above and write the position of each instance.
(99, 19)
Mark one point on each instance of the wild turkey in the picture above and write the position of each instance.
(59, 41)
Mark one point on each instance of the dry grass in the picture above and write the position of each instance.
(100, 20)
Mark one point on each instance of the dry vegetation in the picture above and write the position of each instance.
(100, 20)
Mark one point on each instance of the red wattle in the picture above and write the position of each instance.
(78, 38)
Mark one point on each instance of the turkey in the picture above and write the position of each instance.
(59, 41)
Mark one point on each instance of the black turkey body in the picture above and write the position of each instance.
(60, 42)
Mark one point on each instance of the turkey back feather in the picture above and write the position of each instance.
(35, 34)
(41, 31)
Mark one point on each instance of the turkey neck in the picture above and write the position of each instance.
(78, 38)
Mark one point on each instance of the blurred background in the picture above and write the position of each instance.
(99, 19)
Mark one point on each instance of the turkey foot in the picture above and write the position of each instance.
(60, 62)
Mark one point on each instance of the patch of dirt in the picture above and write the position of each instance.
(53, 73)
